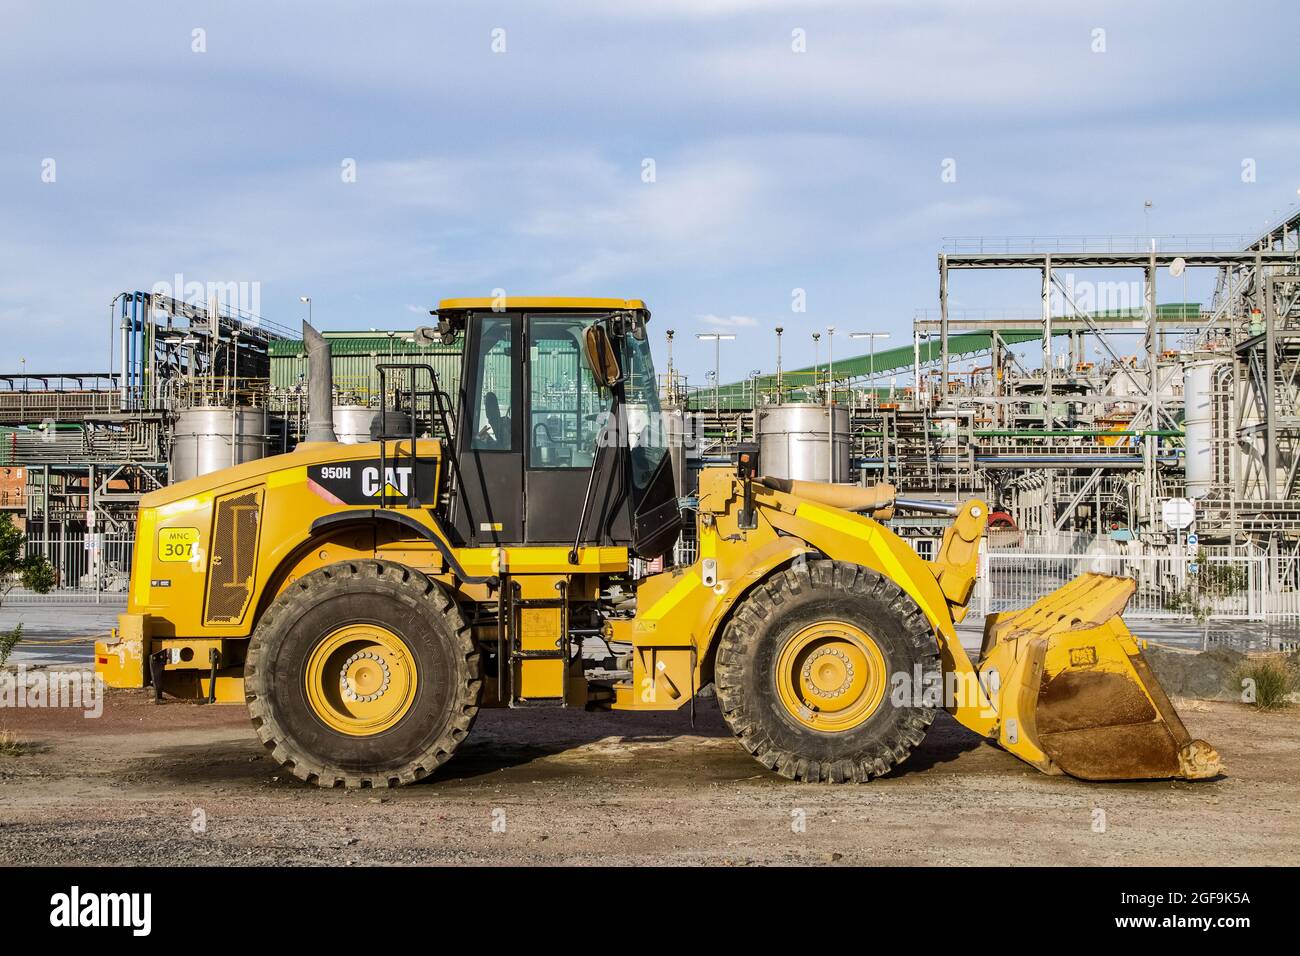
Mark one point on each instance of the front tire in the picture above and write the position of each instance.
(362, 674)
(806, 672)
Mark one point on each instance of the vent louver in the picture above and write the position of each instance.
(234, 556)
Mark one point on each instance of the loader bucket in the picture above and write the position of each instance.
(1077, 696)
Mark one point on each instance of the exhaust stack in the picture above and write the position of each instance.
(320, 387)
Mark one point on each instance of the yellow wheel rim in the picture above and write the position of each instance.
(361, 680)
(831, 676)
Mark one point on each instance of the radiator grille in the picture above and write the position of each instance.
(234, 556)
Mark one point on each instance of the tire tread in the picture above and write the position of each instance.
(304, 594)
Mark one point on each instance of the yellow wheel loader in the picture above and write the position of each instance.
(365, 600)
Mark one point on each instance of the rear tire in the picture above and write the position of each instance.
(839, 633)
(362, 674)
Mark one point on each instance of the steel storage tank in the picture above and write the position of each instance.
(1198, 425)
(793, 441)
(208, 438)
(354, 424)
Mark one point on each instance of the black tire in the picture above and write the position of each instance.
(777, 609)
(427, 621)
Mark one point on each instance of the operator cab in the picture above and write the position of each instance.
(560, 437)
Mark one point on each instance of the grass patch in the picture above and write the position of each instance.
(10, 745)
(1267, 681)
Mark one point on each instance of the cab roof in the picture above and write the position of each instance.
(541, 303)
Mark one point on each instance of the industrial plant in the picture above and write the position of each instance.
(1099, 420)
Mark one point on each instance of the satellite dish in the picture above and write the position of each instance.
(1177, 266)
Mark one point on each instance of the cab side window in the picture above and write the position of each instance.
(565, 406)
(492, 398)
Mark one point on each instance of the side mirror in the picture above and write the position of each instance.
(601, 356)
(443, 334)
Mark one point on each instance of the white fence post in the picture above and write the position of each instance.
(1254, 590)
(982, 578)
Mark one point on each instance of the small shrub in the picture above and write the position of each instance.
(16, 567)
(1271, 678)
(10, 745)
(37, 574)
(8, 640)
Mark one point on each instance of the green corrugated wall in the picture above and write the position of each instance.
(356, 357)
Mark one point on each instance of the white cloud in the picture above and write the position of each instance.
(729, 322)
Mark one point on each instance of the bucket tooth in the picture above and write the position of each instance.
(1078, 696)
(1197, 760)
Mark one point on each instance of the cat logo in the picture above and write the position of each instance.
(397, 482)
(371, 482)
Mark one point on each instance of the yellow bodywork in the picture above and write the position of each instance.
(170, 601)
(540, 302)
(680, 612)
(1061, 684)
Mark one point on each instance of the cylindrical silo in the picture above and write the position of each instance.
(1198, 425)
(794, 441)
(208, 438)
(354, 424)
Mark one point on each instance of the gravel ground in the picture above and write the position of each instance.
(565, 787)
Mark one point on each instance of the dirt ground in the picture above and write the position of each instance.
(566, 787)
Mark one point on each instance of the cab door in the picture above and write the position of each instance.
(566, 413)
(489, 506)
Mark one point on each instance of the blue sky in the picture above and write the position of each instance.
(523, 169)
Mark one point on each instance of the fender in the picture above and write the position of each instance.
(327, 523)
(327, 526)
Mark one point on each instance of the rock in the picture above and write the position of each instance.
(1210, 675)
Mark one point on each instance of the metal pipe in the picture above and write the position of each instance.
(149, 392)
(112, 334)
(925, 507)
(122, 333)
(128, 322)
(45, 507)
(830, 403)
(320, 386)
(234, 401)
(1076, 432)
(916, 366)
(137, 349)
(138, 325)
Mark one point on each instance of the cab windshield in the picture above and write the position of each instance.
(646, 439)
